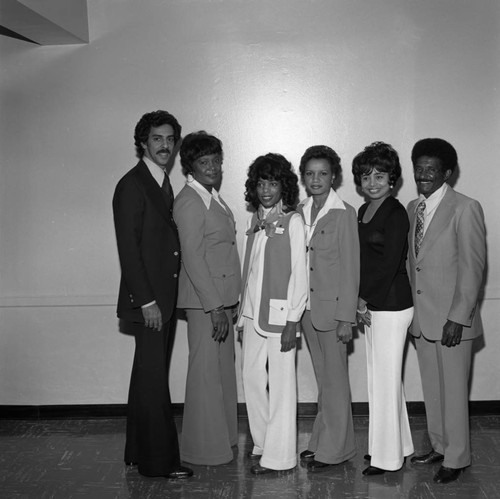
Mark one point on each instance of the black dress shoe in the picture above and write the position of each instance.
(180, 472)
(367, 457)
(307, 455)
(257, 469)
(251, 455)
(447, 475)
(315, 466)
(373, 470)
(429, 458)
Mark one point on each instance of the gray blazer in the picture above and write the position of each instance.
(210, 274)
(334, 268)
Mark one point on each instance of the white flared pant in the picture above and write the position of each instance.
(272, 411)
(389, 436)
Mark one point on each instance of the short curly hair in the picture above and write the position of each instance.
(436, 148)
(320, 152)
(194, 146)
(379, 156)
(154, 119)
(273, 166)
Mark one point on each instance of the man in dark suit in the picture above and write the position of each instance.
(148, 246)
(447, 254)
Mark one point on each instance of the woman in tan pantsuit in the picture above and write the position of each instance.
(209, 287)
(333, 263)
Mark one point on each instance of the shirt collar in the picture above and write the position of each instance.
(434, 199)
(205, 195)
(155, 170)
(333, 202)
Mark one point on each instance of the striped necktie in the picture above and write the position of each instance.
(419, 227)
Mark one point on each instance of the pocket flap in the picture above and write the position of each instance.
(278, 312)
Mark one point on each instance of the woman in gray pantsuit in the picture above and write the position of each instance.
(333, 263)
(209, 287)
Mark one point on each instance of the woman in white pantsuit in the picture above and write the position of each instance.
(274, 298)
(385, 305)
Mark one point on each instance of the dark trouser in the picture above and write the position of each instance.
(151, 431)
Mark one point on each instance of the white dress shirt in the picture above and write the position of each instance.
(157, 171)
(204, 193)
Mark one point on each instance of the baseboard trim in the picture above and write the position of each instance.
(304, 410)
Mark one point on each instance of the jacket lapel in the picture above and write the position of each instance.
(440, 221)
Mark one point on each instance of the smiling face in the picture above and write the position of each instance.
(318, 177)
(159, 145)
(207, 170)
(429, 175)
(268, 192)
(376, 185)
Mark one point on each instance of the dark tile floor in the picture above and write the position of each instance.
(83, 459)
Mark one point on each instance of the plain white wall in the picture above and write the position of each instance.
(263, 76)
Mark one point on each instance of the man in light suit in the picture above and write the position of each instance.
(148, 246)
(447, 254)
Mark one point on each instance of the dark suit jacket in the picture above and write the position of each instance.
(448, 273)
(148, 245)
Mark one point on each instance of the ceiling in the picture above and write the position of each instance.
(47, 22)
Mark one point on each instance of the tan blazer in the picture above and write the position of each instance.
(334, 268)
(447, 275)
(210, 274)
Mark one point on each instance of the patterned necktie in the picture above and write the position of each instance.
(167, 188)
(419, 227)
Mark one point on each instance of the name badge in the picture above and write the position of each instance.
(280, 230)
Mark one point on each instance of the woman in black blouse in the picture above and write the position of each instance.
(385, 305)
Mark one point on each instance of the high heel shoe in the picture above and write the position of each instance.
(373, 470)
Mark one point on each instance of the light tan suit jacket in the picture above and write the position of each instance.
(334, 268)
(210, 275)
(447, 275)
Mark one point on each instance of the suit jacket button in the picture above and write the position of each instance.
(312, 290)
(419, 292)
(176, 253)
(175, 276)
(418, 269)
(223, 275)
